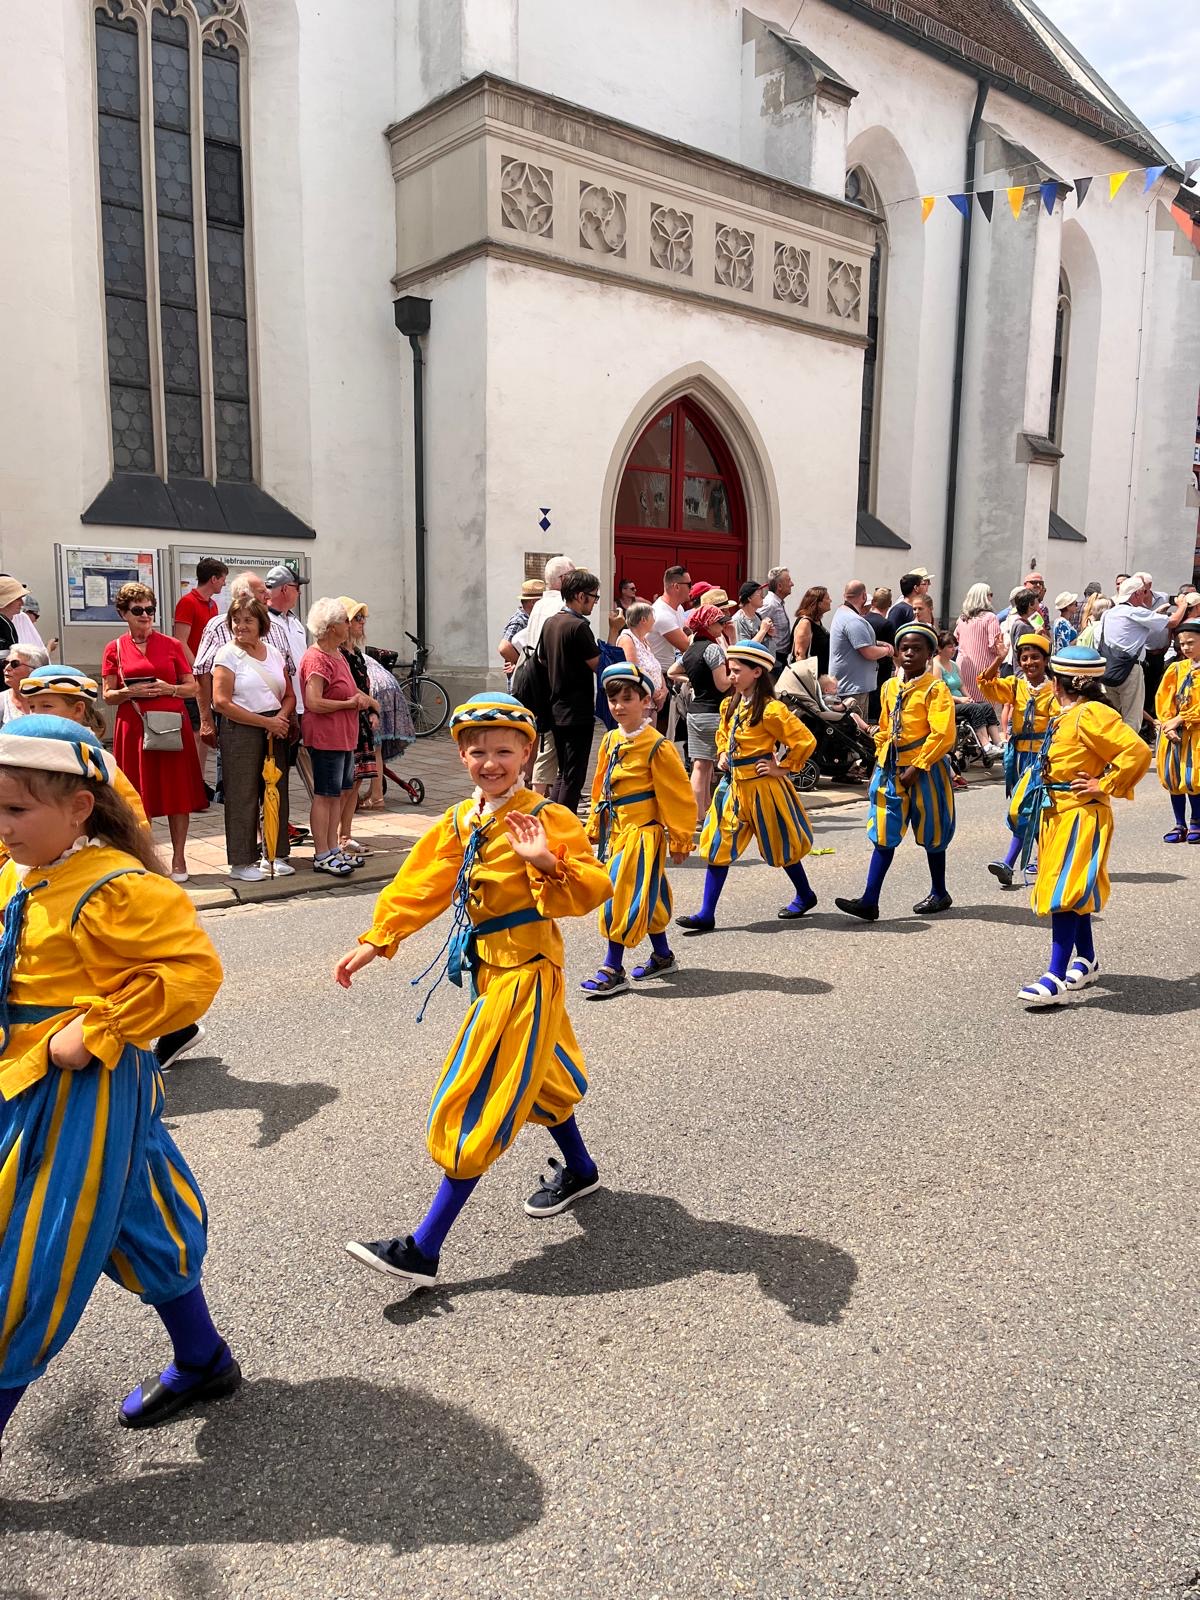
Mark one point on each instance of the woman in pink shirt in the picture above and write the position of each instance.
(332, 701)
(977, 631)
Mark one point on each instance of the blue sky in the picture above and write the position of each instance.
(1150, 55)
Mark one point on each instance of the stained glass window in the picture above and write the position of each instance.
(195, 377)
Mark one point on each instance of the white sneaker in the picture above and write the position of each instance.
(247, 874)
(283, 868)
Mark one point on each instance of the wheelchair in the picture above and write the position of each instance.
(968, 747)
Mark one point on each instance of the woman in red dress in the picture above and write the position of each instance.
(145, 670)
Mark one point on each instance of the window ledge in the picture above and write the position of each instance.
(876, 535)
(193, 505)
(1043, 451)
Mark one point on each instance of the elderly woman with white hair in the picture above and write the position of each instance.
(332, 702)
(976, 631)
(22, 659)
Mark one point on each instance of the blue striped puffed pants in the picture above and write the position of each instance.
(90, 1183)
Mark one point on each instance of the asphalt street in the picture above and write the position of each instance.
(890, 1290)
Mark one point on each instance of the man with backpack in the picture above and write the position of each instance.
(1125, 634)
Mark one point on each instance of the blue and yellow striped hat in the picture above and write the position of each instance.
(923, 629)
(60, 680)
(754, 652)
(626, 672)
(1076, 661)
(493, 711)
(53, 744)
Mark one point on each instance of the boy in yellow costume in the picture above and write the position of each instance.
(912, 785)
(759, 743)
(1031, 695)
(1063, 805)
(100, 953)
(509, 863)
(1177, 707)
(642, 809)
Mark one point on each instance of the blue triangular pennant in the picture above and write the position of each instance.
(962, 204)
(1153, 174)
(1049, 195)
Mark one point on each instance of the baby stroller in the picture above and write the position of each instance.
(968, 746)
(845, 752)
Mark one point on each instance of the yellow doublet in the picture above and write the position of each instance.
(134, 961)
(516, 1058)
(1178, 758)
(1075, 833)
(746, 806)
(927, 731)
(643, 808)
(916, 730)
(1020, 694)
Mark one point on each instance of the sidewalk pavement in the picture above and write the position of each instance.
(388, 834)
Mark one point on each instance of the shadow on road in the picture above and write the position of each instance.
(1146, 877)
(206, 1083)
(834, 921)
(1136, 996)
(639, 1241)
(335, 1458)
(704, 983)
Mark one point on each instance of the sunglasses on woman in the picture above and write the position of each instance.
(142, 611)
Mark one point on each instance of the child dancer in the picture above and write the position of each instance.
(912, 782)
(1031, 697)
(1177, 707)
(100, 952)
(1087, 756)
(755, 799)
(509, 863)
(642, 807)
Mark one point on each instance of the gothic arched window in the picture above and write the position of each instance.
(860, 191)
(171, 99)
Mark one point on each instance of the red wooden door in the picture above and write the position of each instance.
(681, 504)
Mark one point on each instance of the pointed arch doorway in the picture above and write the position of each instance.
(680, 502)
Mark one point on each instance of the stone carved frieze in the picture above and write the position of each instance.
(844, 289)
(734, 258)
(603, 219)
(526, 197)
(792, 268)
(671, 239)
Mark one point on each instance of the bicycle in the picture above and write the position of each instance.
(428, 702)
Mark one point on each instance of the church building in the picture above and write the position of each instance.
(420, 292)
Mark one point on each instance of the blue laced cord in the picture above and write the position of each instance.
(14, 916)
(605, 809)
(455, 951)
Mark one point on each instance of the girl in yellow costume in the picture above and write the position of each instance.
(759, 742)
(509, 863)
(642, 807)
(1062, 804)
(1177, 707)
(99, 954)
(1032, 698)
(912, 785)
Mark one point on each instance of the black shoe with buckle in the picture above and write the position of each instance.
(559, 1190)
(400, 1258)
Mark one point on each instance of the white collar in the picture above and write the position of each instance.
(488, 807)
(82, 843)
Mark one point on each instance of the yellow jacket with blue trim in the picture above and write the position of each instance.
(1091, 740)
(132, 960)
(645, 762)
(779, 735)
(927, 730)
(1178, 694)
(501, 882)
(1018, 692)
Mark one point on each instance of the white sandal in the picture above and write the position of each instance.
(1044, 991)
(1082, 972)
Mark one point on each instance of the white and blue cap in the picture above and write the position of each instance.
(626, 672)
(1076, 661)
(53, 744)
(493, 711)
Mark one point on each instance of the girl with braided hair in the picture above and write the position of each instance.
(509, 864)
(1062, 805)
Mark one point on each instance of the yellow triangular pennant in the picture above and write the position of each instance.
(926, 206)
(1016, 198)
(1115, 180)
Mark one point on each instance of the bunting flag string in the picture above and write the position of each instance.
(1051, 191)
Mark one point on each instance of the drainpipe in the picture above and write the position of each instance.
(960, 345)
(412, 320)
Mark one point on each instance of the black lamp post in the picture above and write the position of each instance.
(412, 320)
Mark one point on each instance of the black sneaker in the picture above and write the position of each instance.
(560, 1190)
(862, 909)
(932, 904)
(173, 1045)
(400, 1258)
(297, 835)
(1001, 870)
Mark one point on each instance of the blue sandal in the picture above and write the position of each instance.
(655, 965)
(1177, 835)
(608, 980)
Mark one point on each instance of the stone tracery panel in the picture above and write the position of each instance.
(603, 219)
(526, 197)
(790, 279)
(734, 257)
(671, 238)
(844, 289)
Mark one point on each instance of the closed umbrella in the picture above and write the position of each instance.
(270, 806)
